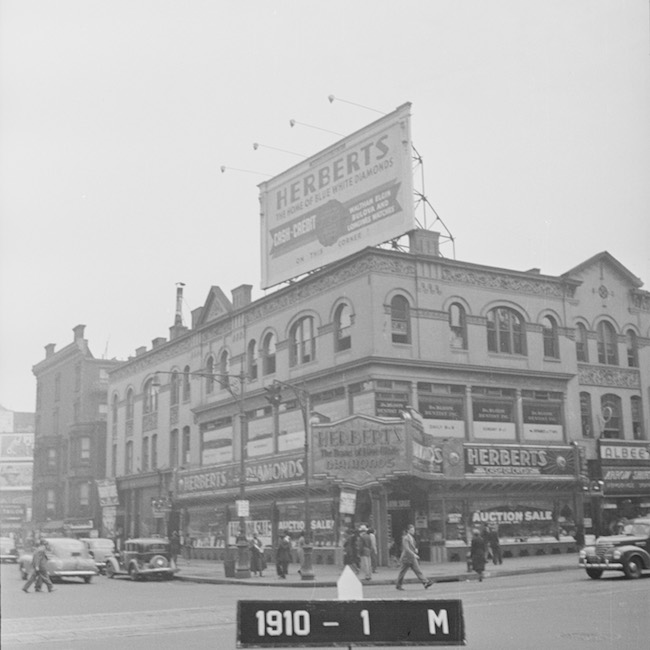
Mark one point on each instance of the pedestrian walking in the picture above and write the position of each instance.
(300, 546)
(477, 553)
(364, 546)
(39, 570)
(283, 555)
(494, 544)
(374, 555)
(410, 559)
(258, 562)
(175, 546)
(351, 554)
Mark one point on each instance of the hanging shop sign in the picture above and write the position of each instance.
(107, 492)
(348, 502)
(625, 467)
(518, 461)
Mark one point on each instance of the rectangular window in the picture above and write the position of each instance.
(84, 494)
(51, 459)
(50, 502)
(84, 449)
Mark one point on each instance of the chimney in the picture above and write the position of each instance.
(79, 332)
(241, 296)
(178, 328)
(424, 242)
(141, 350)
(49, 350)
(157, 342)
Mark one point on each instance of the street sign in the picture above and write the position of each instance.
(243, 507)
(310, 623)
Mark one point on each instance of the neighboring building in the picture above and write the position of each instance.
(506, 368)
(16, 470)
(70, 443)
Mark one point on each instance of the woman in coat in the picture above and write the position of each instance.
(258, 563)
(477, 554)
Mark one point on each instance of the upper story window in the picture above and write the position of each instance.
(186, 384)
(637, 418)
(251, 359)
(175, 389)
(128, 458)
(302, 341)
(145, 454)
(400, 320)
(173, 448)
(185, 450)
(342, 327)
(550, 336)
(268, 354)
(84, 494)
(51, 458)
(632, 346)
(129, 404)
(154, 451)
(50, 501)
(209, 371)
(224, 370)
(611, 417)
(150, 396)
(586, 416)
(607, 344)
(84, 449)
(114, 460)
(505, 331)
(582, 348)
(458, 326)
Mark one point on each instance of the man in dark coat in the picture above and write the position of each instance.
(283, 555)
(492, 539)
(39, 570)
(410, 559)
(477, 554)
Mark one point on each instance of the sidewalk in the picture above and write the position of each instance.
(212, 571)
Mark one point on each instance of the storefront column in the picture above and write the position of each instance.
(519, 415)
(379, 505)
(469, 414)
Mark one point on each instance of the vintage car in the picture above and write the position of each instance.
(66, 558)
(628, 551)
(99, 548)
(8, 551)
(142, 558)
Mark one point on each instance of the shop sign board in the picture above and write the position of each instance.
(17, 446)
(542, 421)
(443, 416)
(356, 193)
(359, 450)
(107, 492)
(494, 419)
(512, 516)
(208, 480)
(519, 461)
(367, 622)
(348, 502)
(16, 476)
(625, 467)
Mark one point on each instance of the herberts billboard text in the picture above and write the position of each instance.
(356, 193)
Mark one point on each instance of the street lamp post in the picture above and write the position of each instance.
(242, 567)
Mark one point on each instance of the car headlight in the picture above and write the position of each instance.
(582, 555)
(617, 554)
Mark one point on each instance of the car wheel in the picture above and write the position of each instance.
(110, 573)
(133, 573)
(87, 579)
(594, 574)
(632, 567)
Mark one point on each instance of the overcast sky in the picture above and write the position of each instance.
(117, 115)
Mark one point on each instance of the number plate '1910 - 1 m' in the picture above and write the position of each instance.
(301, 623)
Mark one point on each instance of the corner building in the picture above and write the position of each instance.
(520, 383)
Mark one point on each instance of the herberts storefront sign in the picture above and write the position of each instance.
(625, 467)
(526, 461)
(208, 480)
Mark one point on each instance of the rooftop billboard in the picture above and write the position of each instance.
(356, 193)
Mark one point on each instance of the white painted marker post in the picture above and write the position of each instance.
(349, 586)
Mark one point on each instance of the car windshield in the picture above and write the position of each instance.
(66, 546)
(155, 548)
(637, 529)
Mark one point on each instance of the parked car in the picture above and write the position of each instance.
(142, 558)
(628, 551)
(66, 558)
(99, 548)
(8, 551)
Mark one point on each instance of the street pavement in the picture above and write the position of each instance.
(212, 571)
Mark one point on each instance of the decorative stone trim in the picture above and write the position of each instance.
(641, 300)
(589, 375)
(173, 414)
(150, 421)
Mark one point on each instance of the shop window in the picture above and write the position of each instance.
(173, 448)
(632, 349)
(505, 331)
(268, 354)
(145, 454)
(586, 416)
(150, 396)
(550, 336)
(342, 327)
(128, 458)
(400, 320)
(607, 344)
(209, 371)
(175, 389)
(186, 384)
(458, 326)
(251, 359)
(582, 348)
(154, 451)
(611, 419)
(637, 418)
(302, 342)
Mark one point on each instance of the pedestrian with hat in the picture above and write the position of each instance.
(410, 559)
(39, 570)
(365, 553)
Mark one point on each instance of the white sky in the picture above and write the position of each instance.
(116, 115)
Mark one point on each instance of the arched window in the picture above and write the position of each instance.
(637, 418)
(586, 416)
(224, 370)
(186, 384)
(128, 458)
(150, 396)
(114, 404)
(458, 326)
(549, 333)
(268, 354)
(209, 371)
(154, 451)
(505, 331)
(302, 342)
(400, 320)
(251, 359)
(129, 404)
(342, 327)
(610, 415)
(632, 346)
(607, 345)
(175, 388)
(582, 348)
(145, 454)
